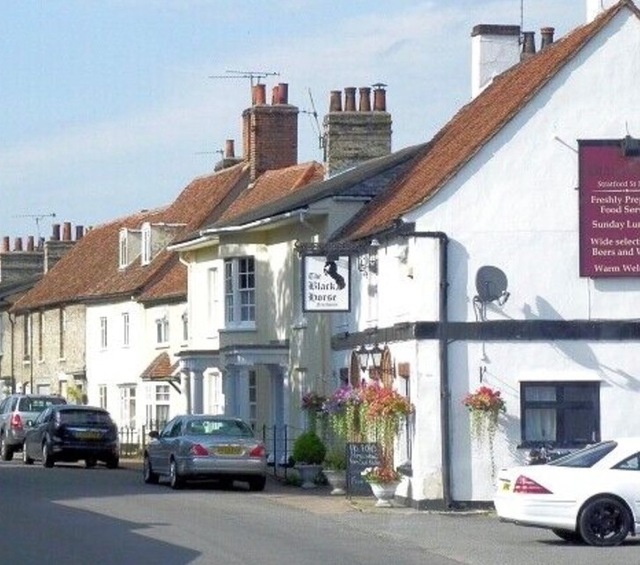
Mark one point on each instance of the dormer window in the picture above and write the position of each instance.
(146, 244)
(124, 249)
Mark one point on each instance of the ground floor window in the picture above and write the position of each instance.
(561, 414)
(128, 406)
(158, 397)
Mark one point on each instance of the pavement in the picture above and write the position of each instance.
(317, 500)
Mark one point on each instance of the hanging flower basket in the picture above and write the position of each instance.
(485, 406)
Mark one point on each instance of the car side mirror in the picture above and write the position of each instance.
(154, 434)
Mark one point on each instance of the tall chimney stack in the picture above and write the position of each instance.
(353, 137)
(494, 49)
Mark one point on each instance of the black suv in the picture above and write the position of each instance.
(72, 433)
(15, 410)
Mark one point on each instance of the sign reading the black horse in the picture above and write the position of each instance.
(326, 283)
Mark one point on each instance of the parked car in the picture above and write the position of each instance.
(72, 433)
(206, 447)
(15, 410)
(590, 495)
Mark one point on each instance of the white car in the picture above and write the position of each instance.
(591, 495)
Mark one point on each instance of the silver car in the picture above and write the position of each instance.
(194, 447)
(15, 411)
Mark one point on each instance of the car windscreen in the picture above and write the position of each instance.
(83, 417)
(38, 404)
(586, 457)
(215, 427)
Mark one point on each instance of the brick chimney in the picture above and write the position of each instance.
(494, 49)
(354, 136)
(270, 131)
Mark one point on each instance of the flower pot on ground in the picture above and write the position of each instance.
(383, 483)
(335, 470)
(309, 452)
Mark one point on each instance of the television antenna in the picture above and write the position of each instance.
(315, 123)
(251, 75)
(38, 218)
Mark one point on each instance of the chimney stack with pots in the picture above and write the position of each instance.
(270, 132)
(229, 158)
(494, 49)
(353, 136)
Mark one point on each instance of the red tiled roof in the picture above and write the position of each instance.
(160, 368)
(473, 126)
(271, 186)
(91, 268)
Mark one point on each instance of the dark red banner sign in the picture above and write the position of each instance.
(609, 209)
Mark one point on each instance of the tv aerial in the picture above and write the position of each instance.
(256, 76)
(313, 114)
(38, 218)
(491, 286)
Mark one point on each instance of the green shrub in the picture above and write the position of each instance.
(335, 459)
(309, 448)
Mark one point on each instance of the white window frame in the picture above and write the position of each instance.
(104, 332)
(162, 330)
(158, 405)
(124, 248)
(145, 256)
(126, 329)
(185, 327)
(102, 394)
(239, 293)
(128, 406)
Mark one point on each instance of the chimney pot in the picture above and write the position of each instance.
(30, 243)
(17, 244)
(546, 34)
(365, 99)
(66, 231)
(379, 100)
(6, 244)
(55, 233)
(350, 99)
(528, 44)
(79, 232)
(229, 151)
(283, 93)
(259, 95)
(335, 101)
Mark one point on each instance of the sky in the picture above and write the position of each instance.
(109, 106)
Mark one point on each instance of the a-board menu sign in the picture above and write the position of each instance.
(609, 172)
(360, 455)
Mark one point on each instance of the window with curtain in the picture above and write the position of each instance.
(560, 414)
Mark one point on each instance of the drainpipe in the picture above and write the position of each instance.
(443, 339)
(12, 321)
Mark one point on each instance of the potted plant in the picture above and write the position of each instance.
(312, 403)
(383, 481)
(309, 452)
(485, 406)
(335, 470)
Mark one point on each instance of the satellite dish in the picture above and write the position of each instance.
(491, 284)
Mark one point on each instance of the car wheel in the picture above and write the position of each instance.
(175, 480)
(25, 458)
(257, 483)
(47, 458)
(148, 475)
(604, 521)
(568, 535)
(113, 462)
(6, 452)
(90, 462)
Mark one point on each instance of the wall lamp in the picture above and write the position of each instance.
(368, 261)
(369, 358)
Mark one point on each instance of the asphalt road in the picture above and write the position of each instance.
(71, 515)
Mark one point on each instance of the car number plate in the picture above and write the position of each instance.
(228, 450)
(89, 435)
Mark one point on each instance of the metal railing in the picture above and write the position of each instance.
(133, 440)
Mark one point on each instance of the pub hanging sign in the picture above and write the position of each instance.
(326, 283)
(609, 172)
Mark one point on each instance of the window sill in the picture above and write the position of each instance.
(236, 329)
